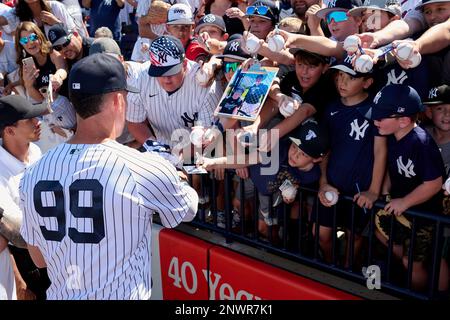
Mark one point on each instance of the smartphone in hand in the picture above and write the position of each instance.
(28, 62)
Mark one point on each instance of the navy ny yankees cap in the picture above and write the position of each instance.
(211, 20)
(338, 5)
(438, 95)
(166, 56)
(311, 138)
(14, 108)
(394, 101)
(233, 49)
(98, 73)
(57, 34)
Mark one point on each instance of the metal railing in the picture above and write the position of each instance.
(306, 248)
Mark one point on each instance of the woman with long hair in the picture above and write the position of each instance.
(49, 65)
(43, 13)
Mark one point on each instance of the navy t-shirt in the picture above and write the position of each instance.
(105, 13)
(413, 160)
(268, 184)
(318, 95)
(352, 137)
(418, 78)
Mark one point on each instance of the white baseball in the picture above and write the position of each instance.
(447, 185)
(276, 43)
(415, 60)
(352, 43)
(201, 77)
(404, 51)
(252, 44)
(289, 193)
(196, 135)
(332, 197)
(287, 109)
(364, 63)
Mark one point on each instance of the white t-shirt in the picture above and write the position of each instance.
(7, 34)
(8, 58)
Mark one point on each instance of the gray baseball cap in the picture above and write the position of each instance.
(104, 45)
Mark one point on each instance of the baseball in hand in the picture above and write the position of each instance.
(447, 185)
(332, 197)
(404, 51)
(276, 43)
(364, 63)
(287, 109)
(352, 43)
(196, 135)
(252, 44)
(201, 77)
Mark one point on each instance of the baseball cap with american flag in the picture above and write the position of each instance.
(166, 56)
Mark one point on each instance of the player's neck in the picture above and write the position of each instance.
(93, 132)
(18, 149)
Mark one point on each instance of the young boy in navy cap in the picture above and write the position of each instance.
(298, 159)
(357, 160)
(212, 33)
(415, 170)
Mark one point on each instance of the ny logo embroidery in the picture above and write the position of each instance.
(311, 135)
(188, 120)
(393, 79)
(433, 93)
(377, 97)
(358, 130)
(408, 169)
(332, 4)
(348, 59)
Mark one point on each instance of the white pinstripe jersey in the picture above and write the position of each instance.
(88, 208)
(167, 113)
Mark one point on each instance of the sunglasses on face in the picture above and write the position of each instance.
(24, 40)
(65, 44)
(230, 66)
(262, 10)
(337, 16)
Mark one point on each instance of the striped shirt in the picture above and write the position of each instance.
(88, 208)
(180, 110)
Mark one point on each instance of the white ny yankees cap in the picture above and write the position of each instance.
(180, 13)
(166, 56)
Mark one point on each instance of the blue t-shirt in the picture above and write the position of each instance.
(351, 146)
(105, 13)
(268, 184)
(413, 160)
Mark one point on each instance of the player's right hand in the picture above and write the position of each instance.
(324, 188)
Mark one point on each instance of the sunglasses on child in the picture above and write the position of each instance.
(59, 47)
(230, 66)
(262, 10)
(32, 37)
(337, 16)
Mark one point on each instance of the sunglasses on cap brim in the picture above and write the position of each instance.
(261, 10)
(337, 16)
(59, 47)
(31, 38)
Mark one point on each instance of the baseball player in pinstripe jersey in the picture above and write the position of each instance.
(169, 97)
(88, 203)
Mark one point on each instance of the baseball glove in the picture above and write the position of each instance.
(157, 13)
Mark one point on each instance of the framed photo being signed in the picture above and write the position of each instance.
(246, 93)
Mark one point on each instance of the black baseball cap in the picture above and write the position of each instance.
(311, 138)
(425, 2)
(391, 6)
(57, 34)
(394, 101)
(296, 51)
(347, 67)
(211, 20)
(335, 5)
(272, 14)
(233, 49)
(14, 108)
(98, 73)
(438, 95)
(166, 56)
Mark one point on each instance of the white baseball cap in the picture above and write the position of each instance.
(180, 13)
